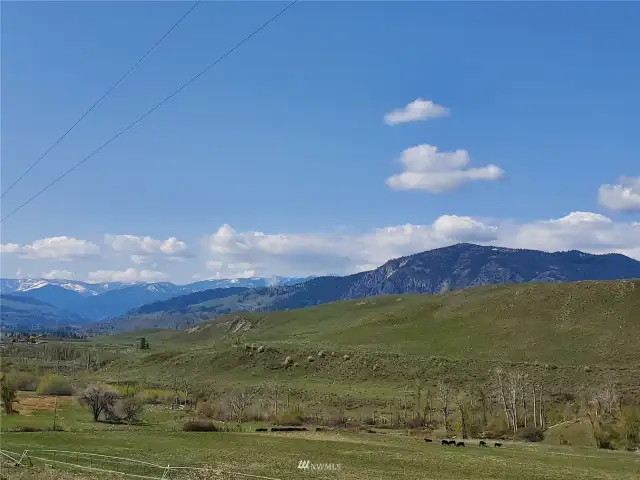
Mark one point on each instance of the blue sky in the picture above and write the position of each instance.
(277, 160)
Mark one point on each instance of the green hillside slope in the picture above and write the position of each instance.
(572, 323)
(568, 336)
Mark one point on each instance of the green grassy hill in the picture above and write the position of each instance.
(433, 272)
(574, 323)
(570, 336)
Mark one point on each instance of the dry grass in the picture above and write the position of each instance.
(28, 404)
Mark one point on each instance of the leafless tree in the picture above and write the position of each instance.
(484, 403)
(100, 400)
(463, 402)
(273, 388)
(239, 402)
(524, 382)
(541, 413)
(417, 387)
(444, 394)
(535, 412)
(428, 405)
(501, 386)
(131, 406)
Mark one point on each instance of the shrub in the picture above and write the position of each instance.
(292, 419)
(8, 394)
(54, 385)
(205, 409)
(28, 428)
(27, 382)
(531, 434)
(130, 407)
(415, 422)
(199, 425)
(337, 420)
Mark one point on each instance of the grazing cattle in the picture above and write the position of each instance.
(262, 429)
(482, 443)
(428, 440)
(445, 442)
(497, 444)
(459, 444)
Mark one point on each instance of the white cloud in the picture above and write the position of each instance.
(427, 169)
(54, 248)
(419, 109)
(147, 249)
(622, 197)
(230, 270)
(303, 254)
(58, 275)
(128, 275)
(464, 229)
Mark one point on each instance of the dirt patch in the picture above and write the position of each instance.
(37, 403)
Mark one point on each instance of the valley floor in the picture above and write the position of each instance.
(360, 455)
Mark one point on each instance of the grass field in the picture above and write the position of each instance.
(572, 338)
(361, 456)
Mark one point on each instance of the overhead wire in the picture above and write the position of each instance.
(152, 109)
(118, 82)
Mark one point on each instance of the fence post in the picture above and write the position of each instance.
(165, 474)
(24, 455)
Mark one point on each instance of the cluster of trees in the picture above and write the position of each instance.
(67, 333)
(112, 406)
(611, 421)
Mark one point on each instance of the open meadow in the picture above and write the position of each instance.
(549, 371)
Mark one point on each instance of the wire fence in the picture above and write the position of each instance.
(120, 466)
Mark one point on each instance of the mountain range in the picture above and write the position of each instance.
(123, 306)
(81, 302)
(431, 272)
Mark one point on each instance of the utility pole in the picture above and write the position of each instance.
(55, 412)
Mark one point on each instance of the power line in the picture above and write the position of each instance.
(156, 106)
(120, 80)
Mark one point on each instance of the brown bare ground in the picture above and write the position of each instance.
(28, 403)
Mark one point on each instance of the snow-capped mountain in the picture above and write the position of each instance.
(11, 285)
(98, 301)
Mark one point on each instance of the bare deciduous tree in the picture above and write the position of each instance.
(239, 402)
(508, 384)
(444, 393)
(131, 405)
(417, 386)
(484, 404)
(100, 400)
(463, 402)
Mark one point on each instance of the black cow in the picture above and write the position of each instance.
(459, 444)
(482, 443)
(428, 440)
(497, 444)
(445, 442)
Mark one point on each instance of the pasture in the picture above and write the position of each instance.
(360, 455)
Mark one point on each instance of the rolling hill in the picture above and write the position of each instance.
(432, 272)
(571, 335)
(25, 312)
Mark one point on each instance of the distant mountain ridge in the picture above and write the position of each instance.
(20, 312)
(432, 272)
(85, 302)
